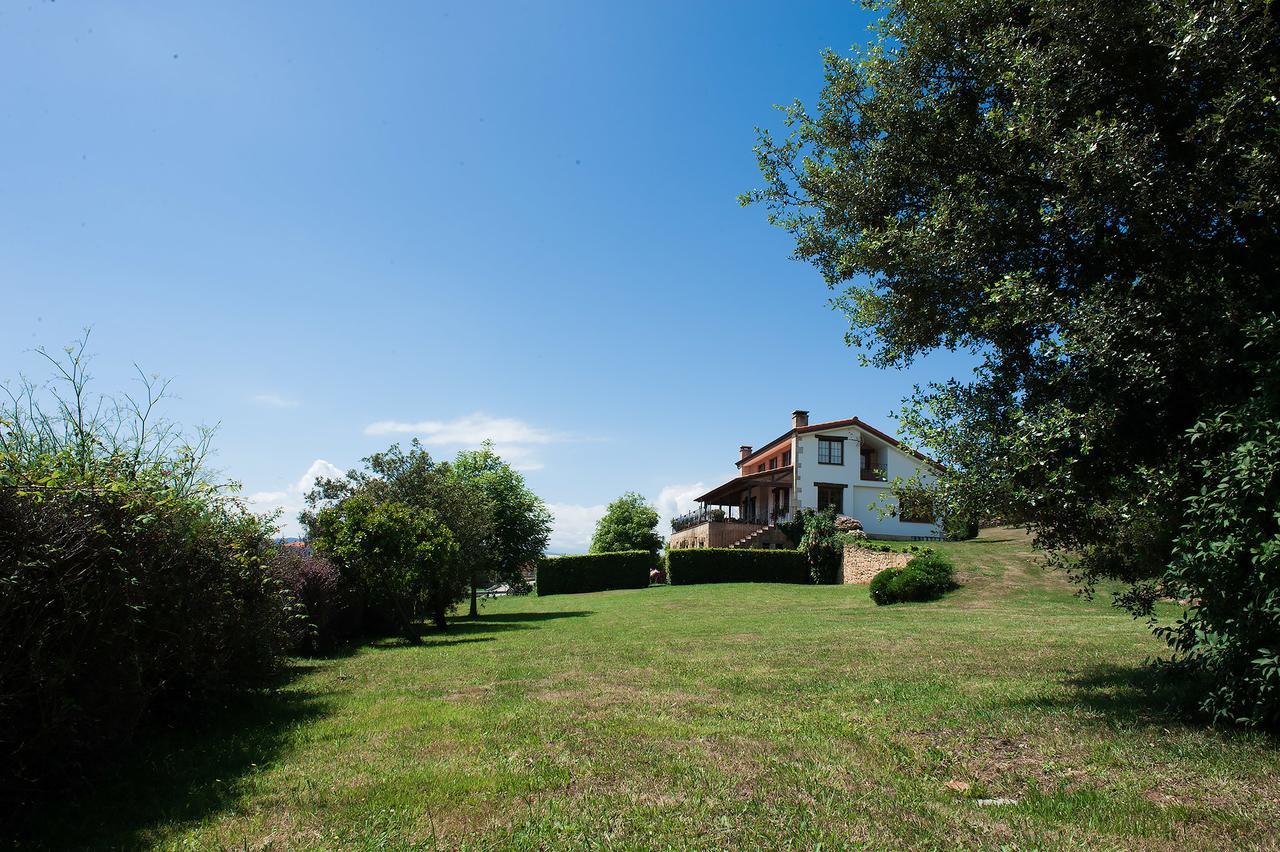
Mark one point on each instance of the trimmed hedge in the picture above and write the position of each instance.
(595, 572)
(729, 565)
(924, 578)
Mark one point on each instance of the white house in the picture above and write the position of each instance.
(842, 463)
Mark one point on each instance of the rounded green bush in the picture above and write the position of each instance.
(924, 578)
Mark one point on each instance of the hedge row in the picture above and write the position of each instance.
(595, 572)
(728, 565)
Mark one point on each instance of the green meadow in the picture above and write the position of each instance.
(1011, 713)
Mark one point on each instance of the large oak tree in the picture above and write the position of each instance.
(1084, 195)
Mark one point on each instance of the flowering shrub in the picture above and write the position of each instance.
(316, 584)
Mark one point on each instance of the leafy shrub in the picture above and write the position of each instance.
(793, 529)
(925, 577)
(316, 583)
(1226, 561)
(821, 546)
(595, 572)
(129, 585)
(730, 565)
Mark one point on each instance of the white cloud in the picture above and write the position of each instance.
(676, 500)
(319, 469)
(272, 400)
(573, 527)
(472, 429)
(513, 439)
(290, 501)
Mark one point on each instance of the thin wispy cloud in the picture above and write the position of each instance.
(272, 400)
(471, 429)
(513, 439)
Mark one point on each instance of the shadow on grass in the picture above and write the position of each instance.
(1131, 695)
(178, 772)
(463, 629)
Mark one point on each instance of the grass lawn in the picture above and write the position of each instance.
(713, 716)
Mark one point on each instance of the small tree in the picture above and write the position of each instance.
(629, 523)
(386, 526)
(521, 522)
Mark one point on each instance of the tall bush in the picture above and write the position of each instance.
(329, 604)
(128, 582)
(822, 547)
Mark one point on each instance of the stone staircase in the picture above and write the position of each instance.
(746, 541)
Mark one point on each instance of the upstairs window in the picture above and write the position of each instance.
(830, 451)
(786, 459)
(773, 463)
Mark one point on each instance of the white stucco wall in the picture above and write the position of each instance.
(858, 495)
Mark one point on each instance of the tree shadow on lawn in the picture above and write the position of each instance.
(177, 771)
(464, 629)
(1131, 695)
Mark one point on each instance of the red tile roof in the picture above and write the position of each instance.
(837, 424)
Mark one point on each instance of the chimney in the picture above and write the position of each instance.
(744, 451)
(799, 419)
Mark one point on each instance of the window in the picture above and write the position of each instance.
(786, 459)
(831, 495)
(830, 451)
(760, 468)
(773, 463)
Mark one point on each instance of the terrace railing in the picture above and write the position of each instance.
(715, 516)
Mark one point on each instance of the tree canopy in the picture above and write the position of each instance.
(406, 531)
(629, 523)
(521, 521)
(1084, 196)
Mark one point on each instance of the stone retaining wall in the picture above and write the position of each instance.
(860, 565)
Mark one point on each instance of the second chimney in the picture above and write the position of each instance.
(744, 451)
(799, 419)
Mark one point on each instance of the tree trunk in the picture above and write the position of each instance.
(474, 611)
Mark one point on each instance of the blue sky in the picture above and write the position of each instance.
(336, 225)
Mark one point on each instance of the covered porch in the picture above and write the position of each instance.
(761, 498)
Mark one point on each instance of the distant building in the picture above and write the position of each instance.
(846, 464)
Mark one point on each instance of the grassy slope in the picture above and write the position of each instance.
(728, 716)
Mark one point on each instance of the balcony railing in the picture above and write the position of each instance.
(873, 474)
(718, 516)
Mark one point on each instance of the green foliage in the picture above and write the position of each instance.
(822, 546)
(1226, 560)
(594, 572)
(793, 529)
(406, 532)
(924, 578)
(130, 585)
(629, 523)
(1085, 196)
(521, 521)
(732, 565)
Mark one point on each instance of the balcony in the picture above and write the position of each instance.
(704, 515)
(872, 474)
